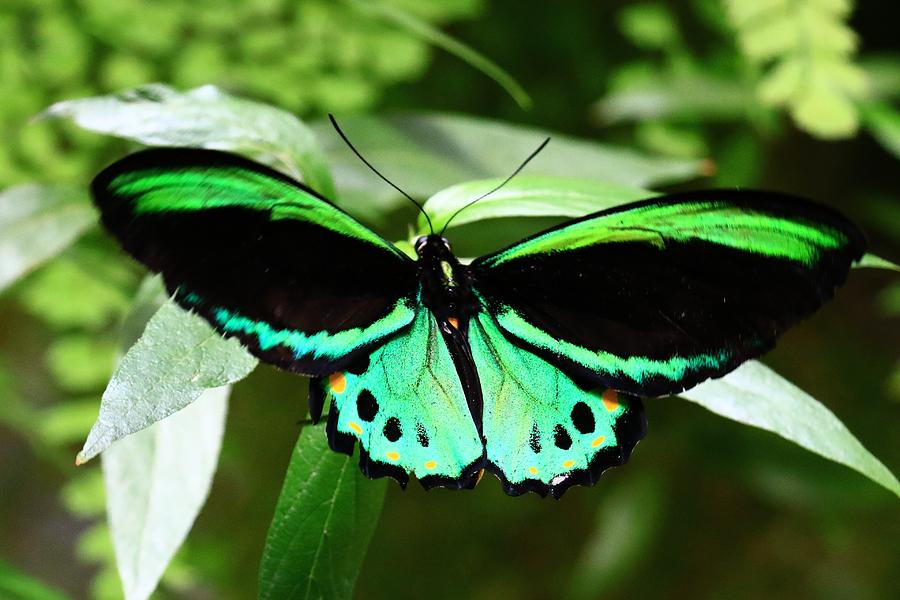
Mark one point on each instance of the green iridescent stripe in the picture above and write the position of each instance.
(636, 368)
(322, 344)
(198, 189)
(716, 223)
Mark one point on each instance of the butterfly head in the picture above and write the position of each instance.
(432, 245)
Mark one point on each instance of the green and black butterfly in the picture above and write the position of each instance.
(528, 362)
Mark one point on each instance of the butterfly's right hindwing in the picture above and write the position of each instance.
(263, 258)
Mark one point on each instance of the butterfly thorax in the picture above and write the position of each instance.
(446, 283)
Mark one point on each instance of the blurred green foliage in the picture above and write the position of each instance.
(698, 79)
(308, 56)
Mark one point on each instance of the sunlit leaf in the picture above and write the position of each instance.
(804, 52)
(436, 37)
(157, 480)
(526, 196)
(16, 585)
(755, 395)
(36, 223)
(205, 117)
(323, 523)
(176, 359)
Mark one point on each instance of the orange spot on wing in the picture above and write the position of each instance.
(454, 322)
(394, 456)
(568, 464)
(337, 382)
(597, 441)
(431, 464)
(355, 427)
(610, 399)
(532, 470)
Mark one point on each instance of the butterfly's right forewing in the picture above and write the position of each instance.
(301, 283)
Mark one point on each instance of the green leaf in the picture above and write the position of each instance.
(323, 524)
(872, 261)
(36, 223)
(15, 585)
(175, 360)
(436, 37)
(526, 196)
(157, 480)
(91, 300)
(628, 522)
(755, 395)
(205, 117)
(883, 122)
(81, 362)
(650, 26)
(426, 152)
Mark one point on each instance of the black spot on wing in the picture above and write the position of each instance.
(583, 418)
(392, 429)
(366, 406)
(561, 438)
(359, 366)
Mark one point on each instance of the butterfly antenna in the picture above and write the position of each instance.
(337, 128)
(505, 181)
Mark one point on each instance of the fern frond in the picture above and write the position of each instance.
(805, 50)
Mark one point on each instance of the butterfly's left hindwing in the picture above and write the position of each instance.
(301, 283)
(406, 407)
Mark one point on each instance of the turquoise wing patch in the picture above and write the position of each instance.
(406, 408)
(543, 431)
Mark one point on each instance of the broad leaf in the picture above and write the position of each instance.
(423, 153)
(36, 223)
(323, 523)
(755, 395)
(157, 480)
(206, 117)
(176, 359)
(525, 196)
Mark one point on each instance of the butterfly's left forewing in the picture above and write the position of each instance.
(654, 297)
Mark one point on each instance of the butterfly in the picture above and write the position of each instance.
(529, 362)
